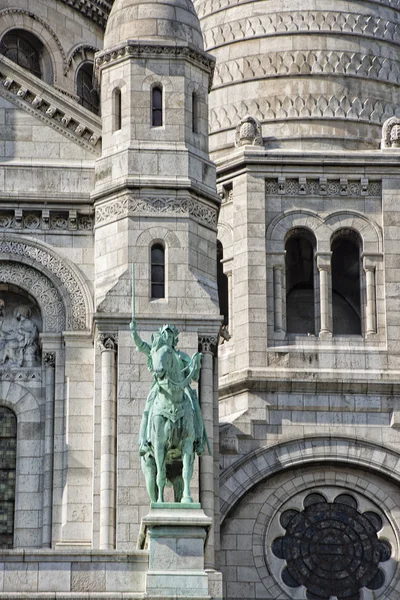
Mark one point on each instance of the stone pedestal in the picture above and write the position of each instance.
(175, 535)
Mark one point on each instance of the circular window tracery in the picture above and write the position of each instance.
(331, 548)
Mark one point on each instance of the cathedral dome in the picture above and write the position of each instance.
(315, 76)
(153, 21)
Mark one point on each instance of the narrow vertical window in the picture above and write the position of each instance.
(117, 110)
(195, 113)
(8, 452)
(88, 95)
(156, 106)
(222, 283)
(157, 271)
(299, 267)
(346, 292)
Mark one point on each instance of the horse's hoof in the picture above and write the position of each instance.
(186, 500)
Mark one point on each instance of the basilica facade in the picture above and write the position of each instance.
(231, 168)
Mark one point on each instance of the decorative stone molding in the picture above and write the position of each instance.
(45, 219)
(248, 131)
(144, 50)
(317, 106)
(315, 62)
(292, 22)
(322, 187)
(97, 10)
(43, 23)
(391, 133)
(208, 344)
(77, 300)
(49, 359)
(39, 286)
(47, 104)
(20, 375)
(85, 52)
(155, 205)
(107, 341)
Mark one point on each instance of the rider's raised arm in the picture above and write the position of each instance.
(141, 345)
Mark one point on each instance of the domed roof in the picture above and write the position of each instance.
(153, 21)
(315, 75)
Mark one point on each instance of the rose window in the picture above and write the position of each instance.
(332, 548)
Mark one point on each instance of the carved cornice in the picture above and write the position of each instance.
(107, 341)
(188, 207)
(149, 50)
(208, 344)
(318, 106)
(302, 186)
(49, 359)
(293, 22)
(305, 63)
(47, 104)
(96, 10)
(56, 220)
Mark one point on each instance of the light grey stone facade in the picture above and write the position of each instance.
(302, 406)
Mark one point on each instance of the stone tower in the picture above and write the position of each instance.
(304, 130)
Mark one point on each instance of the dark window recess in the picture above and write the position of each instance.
(300, 301)
(346, 293)
(157, 271)
(195, 113)
(23, 49)
(222, 283)
(88, 95)
(117, 110)
(156, 106)
(8, 451)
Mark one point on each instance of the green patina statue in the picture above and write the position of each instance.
(172, 428)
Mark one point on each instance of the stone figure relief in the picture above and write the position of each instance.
(19, 333)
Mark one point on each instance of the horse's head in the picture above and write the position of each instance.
(162, 357)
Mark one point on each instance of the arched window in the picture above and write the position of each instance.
(300, 297)
(346, 293)
(157, 271)
(156, 107)
(117, 110)
(88, 95)
(8, 453)
(24, 49)
(195, 112)
(222, 283)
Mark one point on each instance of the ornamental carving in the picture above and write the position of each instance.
(334, 22)
(97, 10)
(311, 106)
(170, 205)
(332, 548)
(107, 341)
(322, 187)
(58, 268)
(391, 133)
(49, 359)
(45, 219)
(248, 131)
(46, 295)
(141, 50)
(208, 344)
(315, 62)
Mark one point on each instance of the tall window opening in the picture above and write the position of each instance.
(346, 291)
(195, 112)
(156, 107)
(8, 454)
(300, 296)
(88, 95)
(157, 271)
(24, 49)
(117, 109)
(222, 283)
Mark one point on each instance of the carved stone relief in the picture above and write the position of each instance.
(20, 323)
(322, 187)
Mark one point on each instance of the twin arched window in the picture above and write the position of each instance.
(306, 298)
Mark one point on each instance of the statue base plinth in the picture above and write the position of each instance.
(175, 535)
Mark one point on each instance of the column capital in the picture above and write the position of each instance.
(49, 359)
(208, 344)
(324, 260)
(107, 341)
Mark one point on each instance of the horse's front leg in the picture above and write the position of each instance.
(160, 452)
(187, 470)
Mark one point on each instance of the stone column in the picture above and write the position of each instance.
(324, 268)
(207, 345)
(49, 360)
(278, 313)
(108, 348)
(370, 293)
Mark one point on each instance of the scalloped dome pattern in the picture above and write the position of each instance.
(153, 20)
(316, 74)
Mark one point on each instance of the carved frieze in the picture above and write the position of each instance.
(97, 10)
(203, 213)
(29, 220)
(322, 187)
